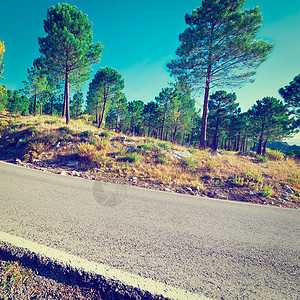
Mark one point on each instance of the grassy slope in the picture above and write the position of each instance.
(46, 143)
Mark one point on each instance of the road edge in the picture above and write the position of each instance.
(112, 282)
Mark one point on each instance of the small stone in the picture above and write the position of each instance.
(134, 179)
(215, 153)
(63, 173)
(288, 189)
(189, 189)
(122, 138)
(167, 190)
(219, 196)
(18, 161)
(75, 173)
(251, 193)
(96, 136)
(57, 145)
(130, 140)
(73, 164)
(113, 144)
(70, 143)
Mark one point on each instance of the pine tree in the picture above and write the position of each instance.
(106, 83)
(68, 50)
(221, 107)
(270, 121)
(218, 48)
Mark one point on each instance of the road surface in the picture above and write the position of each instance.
(220, 249)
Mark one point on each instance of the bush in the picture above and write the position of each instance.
(189, 164)
(105, 134)
(66, 129)
(34, 150)
(87, 133)
(101, 144)
(161, 160)
(87, 152)
(164, 145)
(274, 154)
(132, 157)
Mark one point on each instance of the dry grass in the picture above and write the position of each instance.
(151, 162)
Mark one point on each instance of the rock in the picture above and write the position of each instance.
(134, 179)
(70, 143)
(167, 190)
(130, 148)
(251, 193)
(265, 167)
(130, 141)
(180, 154)
(75, 173)
(73, 164)
(215, 153)
(113, 144)
(288, 189)
(57, 145)
(285, 196)
(190, 190)
(96, 136)
(63, 173)
(210, 194)
(18, 161)
(122, 138)
(220, 196)
(188, 145)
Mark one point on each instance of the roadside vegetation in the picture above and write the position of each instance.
(81, 149)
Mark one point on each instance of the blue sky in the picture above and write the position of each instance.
(139, 38)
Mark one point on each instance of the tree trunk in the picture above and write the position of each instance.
(41, 108)
(205, 110)
(67, 99)
(265, 147)
(34, 103)
(215, 137)
(163, 124)
(103, 107)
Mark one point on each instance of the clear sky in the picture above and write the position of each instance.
(140, 37)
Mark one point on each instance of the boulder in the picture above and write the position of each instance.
(180, 154)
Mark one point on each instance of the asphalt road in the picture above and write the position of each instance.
(222, 249)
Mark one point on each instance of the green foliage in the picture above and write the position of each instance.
(189, 164)
(87, 133)
(33, 130)
(164, 145)
(262, 159)
(66, 129)
(68, 50)
(101, 144)
(105, 134)
(131, 157)
(294, 178)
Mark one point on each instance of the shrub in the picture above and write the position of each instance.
(104, 161)
(274, 154)
(32, 130)
(192, 150)
(210, 165)
(189, 164)
(102, 144)
(105, 134)
(66, 129)
(87, 152)
(164, 145)
(261, 158)
(161, 159)
(34, 150)
(132, 157)
(87, 133)
(51, 122)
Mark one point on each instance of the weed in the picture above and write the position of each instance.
(51, 122)
(4, 123)
(261, 158)
(252, 176)
(104, 161)
(161, 160)
(33, 130)
(192, 150)
(12, 273)
(66, 129)
(265, 190)
(210, 165)
(294, 178)
(241, 181)
(101, 144)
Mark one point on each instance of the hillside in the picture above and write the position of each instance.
(82, 150)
